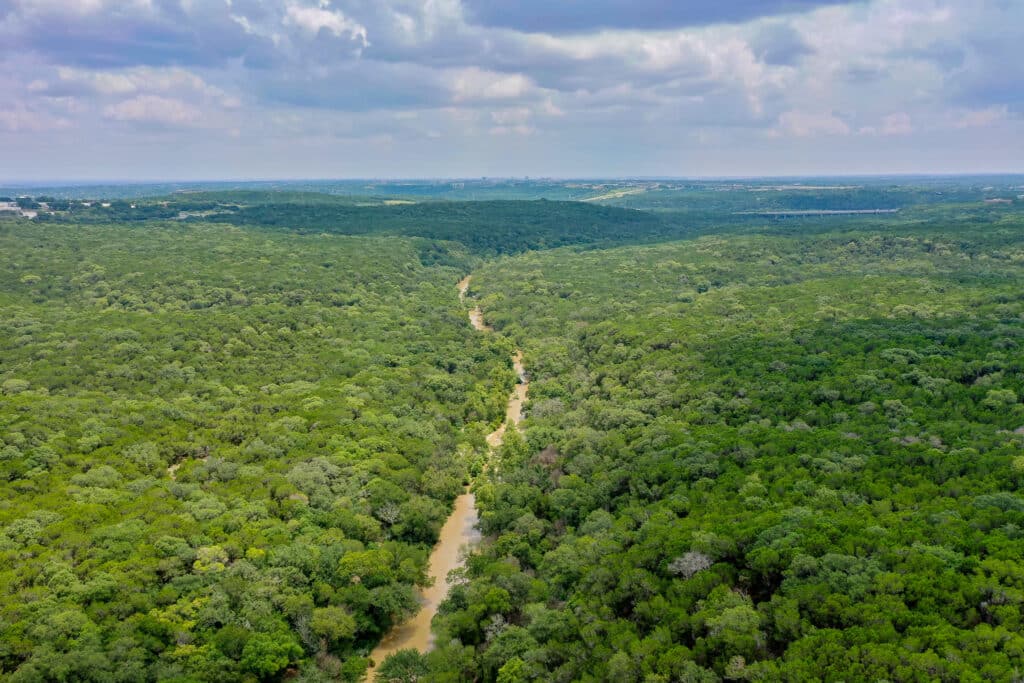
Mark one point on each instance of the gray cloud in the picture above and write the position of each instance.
(993, 72)
(464, 80)
(945, 54)
(779, 43)
(571, 16)
(125, 34)
(110, 34)
(984, 90)
(363, 86)
(862, 72)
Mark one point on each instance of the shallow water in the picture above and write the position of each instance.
(459, 530)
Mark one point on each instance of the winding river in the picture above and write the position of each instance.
(459, 529)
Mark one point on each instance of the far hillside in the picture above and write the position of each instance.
(486, 227)
(609, 213)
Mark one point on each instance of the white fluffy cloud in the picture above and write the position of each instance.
(131, 81)
(476, 84)
(319, 18)
(806, 124)
(153, 109)
(741, 77)
(20, 119)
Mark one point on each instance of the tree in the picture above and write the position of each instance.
(690, 563)
(333, 624)
(404, 666)
(266, 654)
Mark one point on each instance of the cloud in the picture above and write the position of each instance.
(128, 81)
(20, 119)
(314, 20)
(514, 116)
(152, 109)
(520, 129)
(356, 87)
(897, 124)
(104, 34)
(367, 85)
(574, 16)
(633, 81)
(153, 95)
(808, 124)
(982, 118)
(944, 53)
(779, 43)
(474, 84)
(861, 72)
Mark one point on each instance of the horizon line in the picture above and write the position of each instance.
(70, 182)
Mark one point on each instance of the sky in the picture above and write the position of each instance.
(244, 89)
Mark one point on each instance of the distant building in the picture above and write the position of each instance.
(14, 208)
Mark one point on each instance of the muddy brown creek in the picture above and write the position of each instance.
(459, 530)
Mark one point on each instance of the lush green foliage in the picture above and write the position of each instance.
(488, 227)
(757, 458)
(231, 425)
(318, 399)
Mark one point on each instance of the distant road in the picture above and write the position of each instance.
(815, 212)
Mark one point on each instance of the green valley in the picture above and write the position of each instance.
(755, 447)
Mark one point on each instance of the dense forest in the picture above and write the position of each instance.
(223, 451)
(485, 227)
(756, 458)
(233, 423)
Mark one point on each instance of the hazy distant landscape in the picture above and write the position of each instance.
(609, 190)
